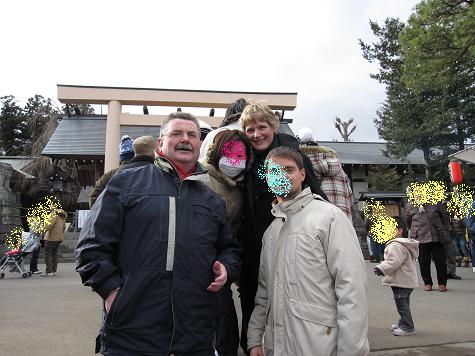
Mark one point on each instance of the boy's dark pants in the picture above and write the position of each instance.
(436, 251)
(402, 299)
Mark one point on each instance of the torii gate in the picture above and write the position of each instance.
(115, 97)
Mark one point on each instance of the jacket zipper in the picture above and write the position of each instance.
(171, 291)
(118, 299)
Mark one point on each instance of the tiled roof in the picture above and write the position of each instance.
(369, 153)
(85, 136)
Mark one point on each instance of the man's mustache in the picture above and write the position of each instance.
(184, 146)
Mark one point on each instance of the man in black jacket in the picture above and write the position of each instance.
(156, 247)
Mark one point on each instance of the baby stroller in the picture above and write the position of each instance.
(14, 258)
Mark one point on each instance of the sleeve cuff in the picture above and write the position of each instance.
(112, 283)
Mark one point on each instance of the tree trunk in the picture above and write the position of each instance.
(426, 151)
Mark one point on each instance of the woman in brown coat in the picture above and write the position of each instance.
(54, 236)
(227, 159)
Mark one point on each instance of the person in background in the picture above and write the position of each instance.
(429, 226)
(260, 125)
(230, 122)
(327, 166)
(126, 153)
(377, 249)
(451, 249)
(469, 222)
(36, 252)
(400, 273)
(227, 160)
(311, 298)
(205, 129)
(459, 242)
(144, 152)
(54, 227)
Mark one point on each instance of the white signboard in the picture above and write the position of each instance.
(82, 215)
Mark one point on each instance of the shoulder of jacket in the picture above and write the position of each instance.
(288, 140)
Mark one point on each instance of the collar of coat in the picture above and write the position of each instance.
(165, 165)
(291, 207)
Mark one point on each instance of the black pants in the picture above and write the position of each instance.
(402, 298)
(450, 258)
(436, 252)
(227, 329)
(34, 259)
(247, 294)
(51, 255)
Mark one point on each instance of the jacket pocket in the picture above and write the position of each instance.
(114, 307)
(205, 220)
(313, 313)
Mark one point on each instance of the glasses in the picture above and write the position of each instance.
(181, 134)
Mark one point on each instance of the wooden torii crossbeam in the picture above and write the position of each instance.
(115, 97)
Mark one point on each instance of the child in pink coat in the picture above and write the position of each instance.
(399, 272)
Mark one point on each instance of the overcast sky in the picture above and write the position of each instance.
(309, 47)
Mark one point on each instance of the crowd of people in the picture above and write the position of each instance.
(184, 217)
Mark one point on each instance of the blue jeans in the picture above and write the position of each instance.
(460, 245)
(402, 298)
(378, 250)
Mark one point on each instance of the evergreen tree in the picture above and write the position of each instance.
(13, 128)
(438, 51)
(383, 178)
(38, 112)
(408, 119)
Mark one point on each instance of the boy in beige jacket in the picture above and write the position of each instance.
(400, 273)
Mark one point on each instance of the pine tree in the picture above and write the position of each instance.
(13, 128)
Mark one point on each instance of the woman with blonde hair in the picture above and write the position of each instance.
(260, 125)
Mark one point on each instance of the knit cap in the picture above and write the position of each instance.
(126, 150)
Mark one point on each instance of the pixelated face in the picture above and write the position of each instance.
(260, 133)
(182, 142)
(235, 152)
(284, 178)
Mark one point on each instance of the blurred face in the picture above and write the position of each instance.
(284, 178)
(232, 161)
(234, 151)
(181, 144)
(260, 133)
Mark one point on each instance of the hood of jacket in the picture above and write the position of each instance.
(325, 161)
(411, 244)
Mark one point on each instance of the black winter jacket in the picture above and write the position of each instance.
(157, 239)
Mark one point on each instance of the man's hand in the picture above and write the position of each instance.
(220, 277)
(110, 299)
(257, 351)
